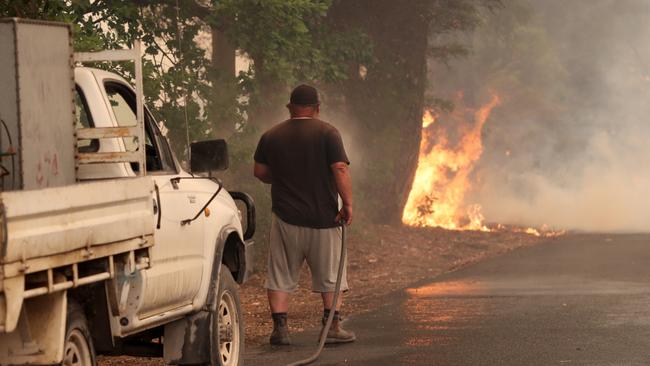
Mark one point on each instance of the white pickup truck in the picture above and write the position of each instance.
(107, 245)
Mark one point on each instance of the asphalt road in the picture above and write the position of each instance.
(578, 300)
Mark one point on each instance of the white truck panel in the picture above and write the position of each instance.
(184, 285)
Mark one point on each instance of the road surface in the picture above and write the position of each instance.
(578, 300)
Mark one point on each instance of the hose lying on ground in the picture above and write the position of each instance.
(330, 318)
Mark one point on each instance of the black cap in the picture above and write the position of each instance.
(304, 95)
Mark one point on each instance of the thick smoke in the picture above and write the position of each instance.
(570, 145)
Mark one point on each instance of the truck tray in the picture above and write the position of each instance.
(65, 237)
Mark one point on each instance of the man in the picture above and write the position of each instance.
(304, 161)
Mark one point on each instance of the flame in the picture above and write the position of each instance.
(428, 118)
(442, 178)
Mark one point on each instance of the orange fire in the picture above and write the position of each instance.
(442, 179)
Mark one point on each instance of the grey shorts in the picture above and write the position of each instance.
(291, 245)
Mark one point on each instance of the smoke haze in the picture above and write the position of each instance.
(570, 145)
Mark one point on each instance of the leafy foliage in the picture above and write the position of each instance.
(286, 40)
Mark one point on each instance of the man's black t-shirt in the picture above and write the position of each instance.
(299, 153)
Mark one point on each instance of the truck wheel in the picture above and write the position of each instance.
(78, 348)
(228, 340)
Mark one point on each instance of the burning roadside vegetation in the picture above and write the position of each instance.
(444, 176)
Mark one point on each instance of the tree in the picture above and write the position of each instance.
(289, 42)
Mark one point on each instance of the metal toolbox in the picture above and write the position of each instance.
(37, 131)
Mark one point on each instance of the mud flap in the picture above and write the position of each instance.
(39, 336)
(187, 340)
(246, 265)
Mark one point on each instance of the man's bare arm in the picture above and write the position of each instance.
(344, 186)
(263, 173)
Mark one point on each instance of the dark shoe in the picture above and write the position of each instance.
(337, 334)
(280, 337)
(280, 334)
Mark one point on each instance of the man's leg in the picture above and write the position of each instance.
(336, 333)
(279, 301)
(285, 260)
(328, 299)
(279, 304)
(323, 259)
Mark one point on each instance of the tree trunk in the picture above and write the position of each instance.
(388, 101)
(222, 107)
(223, 53)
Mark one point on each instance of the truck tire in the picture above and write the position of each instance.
(78, 347)
(227, 345)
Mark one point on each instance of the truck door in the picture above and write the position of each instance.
(174, 277)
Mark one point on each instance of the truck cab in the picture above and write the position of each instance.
(188, 256)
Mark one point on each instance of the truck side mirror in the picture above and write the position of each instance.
(209, 156)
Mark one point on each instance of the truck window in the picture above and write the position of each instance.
(158, 156)
(165, 151)
(83, 119)
(124, 115)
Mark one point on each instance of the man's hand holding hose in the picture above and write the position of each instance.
(345, 215)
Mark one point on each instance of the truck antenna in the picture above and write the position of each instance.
(180, 58)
